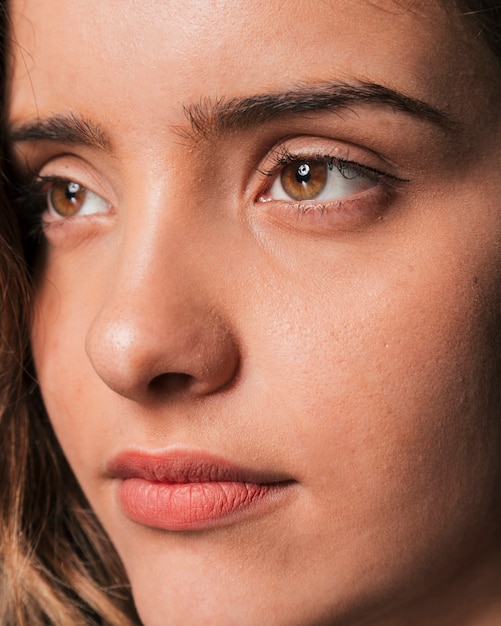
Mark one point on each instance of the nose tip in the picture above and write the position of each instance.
(143, 357)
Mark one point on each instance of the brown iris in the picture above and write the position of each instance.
(67, 197)
(304, 180)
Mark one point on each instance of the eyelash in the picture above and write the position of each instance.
(31, 196)
(282, 157)
(31, 200)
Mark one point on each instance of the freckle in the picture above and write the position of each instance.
(475, 280)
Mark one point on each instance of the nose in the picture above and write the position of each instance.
(160, 330)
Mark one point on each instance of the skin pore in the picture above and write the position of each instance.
(286, 255)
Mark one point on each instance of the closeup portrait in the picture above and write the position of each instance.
(250, 313)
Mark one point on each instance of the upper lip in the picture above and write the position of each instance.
(186, 467)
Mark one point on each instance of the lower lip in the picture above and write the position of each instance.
(193, 506)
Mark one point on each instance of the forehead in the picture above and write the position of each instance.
(69, 54)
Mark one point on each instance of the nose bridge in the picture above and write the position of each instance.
(159, 328)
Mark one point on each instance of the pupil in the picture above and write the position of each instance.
(71, 190)
(303, 173)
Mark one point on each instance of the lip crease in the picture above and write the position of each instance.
(191, 491)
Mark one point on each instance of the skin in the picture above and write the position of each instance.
(353, 348)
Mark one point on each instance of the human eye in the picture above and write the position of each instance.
(320, 178)
(45, 201)
(67, 198)
(61, 198)
(325, 184)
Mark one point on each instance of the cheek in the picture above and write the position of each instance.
(391, 406)
(65, 305)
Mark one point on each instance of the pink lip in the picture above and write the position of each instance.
(190, 491)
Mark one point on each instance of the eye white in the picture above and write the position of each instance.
(70, 199)
(338, 185)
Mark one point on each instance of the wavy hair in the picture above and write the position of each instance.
(57, 565)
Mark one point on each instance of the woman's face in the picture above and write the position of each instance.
(268, 306)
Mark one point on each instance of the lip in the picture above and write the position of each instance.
(192, 491)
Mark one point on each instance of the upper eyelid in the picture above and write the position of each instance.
(285, 151)
(305, 146)
(283, 157)
(49, 181)
(32, 194)
(96, 176)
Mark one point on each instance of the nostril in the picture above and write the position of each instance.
(169, 383)
(141, 354)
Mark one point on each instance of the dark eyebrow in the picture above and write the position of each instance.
(63, 128)
(210, 117)
(217, 116)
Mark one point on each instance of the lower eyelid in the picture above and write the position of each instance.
(344, 215)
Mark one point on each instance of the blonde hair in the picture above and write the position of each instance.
(57, 565)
